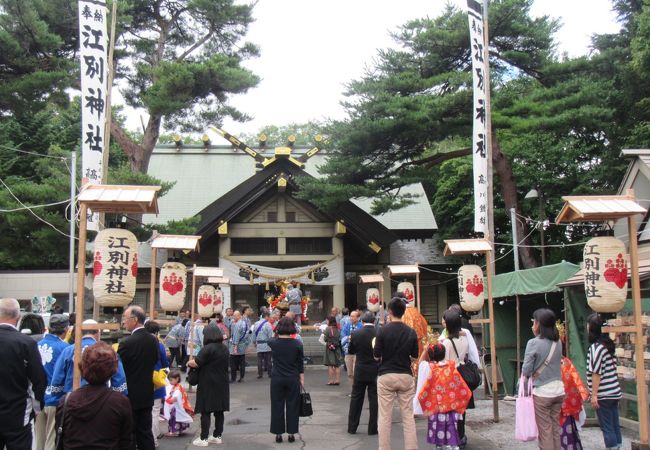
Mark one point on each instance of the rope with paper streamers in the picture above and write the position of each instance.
(252, 273)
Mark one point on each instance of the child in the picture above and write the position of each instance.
(575, 395)
(443, 397)
(178, 411)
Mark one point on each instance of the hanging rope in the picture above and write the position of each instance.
(293, 276)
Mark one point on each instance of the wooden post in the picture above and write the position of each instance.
(381, 303)
(417, 286)
(493, 344)
(190, 342)
(79, 304)
(152, 290)
(641, 388)
(519, 337)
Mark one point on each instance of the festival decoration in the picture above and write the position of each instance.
(373, 302)
(408, 290)
(470, 287)
(279, 300)
(205, 304)
(115, 267)
(173, 283)
(218, 301)
(42, 304)
(605, 274)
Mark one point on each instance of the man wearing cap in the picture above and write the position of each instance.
(50, 348)
(22, 379)
(61, 382)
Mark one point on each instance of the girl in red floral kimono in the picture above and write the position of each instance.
(575, 394)
(443, 398)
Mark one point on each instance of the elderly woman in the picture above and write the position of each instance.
(96, 417)
(542, 361)
(213, 390)
(287, 377)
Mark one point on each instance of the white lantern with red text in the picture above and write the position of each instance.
(205, 300)
(605, 274)
(173, 282)
(372, 300)
(115, 267)
(218, 301)
(408, 290)
(470, 287)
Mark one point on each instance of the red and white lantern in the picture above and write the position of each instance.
(606, 272)
(373, 302)
(173, 282)
(470, 287)
(218, 301)
(205, 300)
(115, 267)
(408, 290)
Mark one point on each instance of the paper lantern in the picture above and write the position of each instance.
(470, 287)
(173, 282)
(115, 267)
(606, 271)
(217, 304)
(372, 300)
(408, 290)
(205, 301)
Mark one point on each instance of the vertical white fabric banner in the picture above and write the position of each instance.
(93, 47)
(479, 145)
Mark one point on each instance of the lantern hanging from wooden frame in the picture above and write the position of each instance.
(470, 287)
(173, 283)
(407, 288)
(205, 300)
(605, 274)
(217, 304)
(115, 267)
(373, 302)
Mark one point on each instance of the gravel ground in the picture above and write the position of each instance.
(502, 434)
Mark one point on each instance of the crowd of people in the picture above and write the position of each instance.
(116, 406)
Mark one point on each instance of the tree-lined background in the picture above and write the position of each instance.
(559, 123)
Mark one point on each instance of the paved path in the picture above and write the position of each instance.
(247, 423)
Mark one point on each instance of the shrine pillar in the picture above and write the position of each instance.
(338, 291)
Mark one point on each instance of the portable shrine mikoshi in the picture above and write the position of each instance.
(377, 279)
(200, 273)
(481, 246)
(185, 244)
(101, 198)
(599, 208)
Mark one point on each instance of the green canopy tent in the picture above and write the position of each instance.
(537, 284)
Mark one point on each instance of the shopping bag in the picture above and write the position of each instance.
(305, 403)
(525, 424)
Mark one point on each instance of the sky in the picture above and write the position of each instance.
(311, 48)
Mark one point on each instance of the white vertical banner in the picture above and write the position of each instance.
(93, 47)
(479, 134)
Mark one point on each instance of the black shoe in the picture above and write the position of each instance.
(278, 438)
(372, 433)
(463, 442)
(240, 380)
(352, 432)
(292, 438)
(259, 376)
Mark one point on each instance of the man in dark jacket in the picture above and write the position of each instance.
(23, 380)
(139, 354)
(365, 374)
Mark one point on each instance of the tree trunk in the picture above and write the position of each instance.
(138, 154)
(503, 169)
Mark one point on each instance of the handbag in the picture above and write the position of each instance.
(332, 345)
(59, 429)
(525, 424)
(159, 378)
(192, 376)
(305, 403)
(468, 370)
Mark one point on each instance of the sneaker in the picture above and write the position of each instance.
(200, 442)
(215, 440)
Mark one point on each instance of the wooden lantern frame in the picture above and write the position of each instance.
(102, 198)
(596, 208)
(377, 279)
(409, 269)
(168, 242)
(201, 273)
(481, 246)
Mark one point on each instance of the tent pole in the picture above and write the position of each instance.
(493, 344)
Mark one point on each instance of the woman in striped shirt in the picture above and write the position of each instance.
(603, 382)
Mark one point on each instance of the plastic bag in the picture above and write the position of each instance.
(525, 424)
